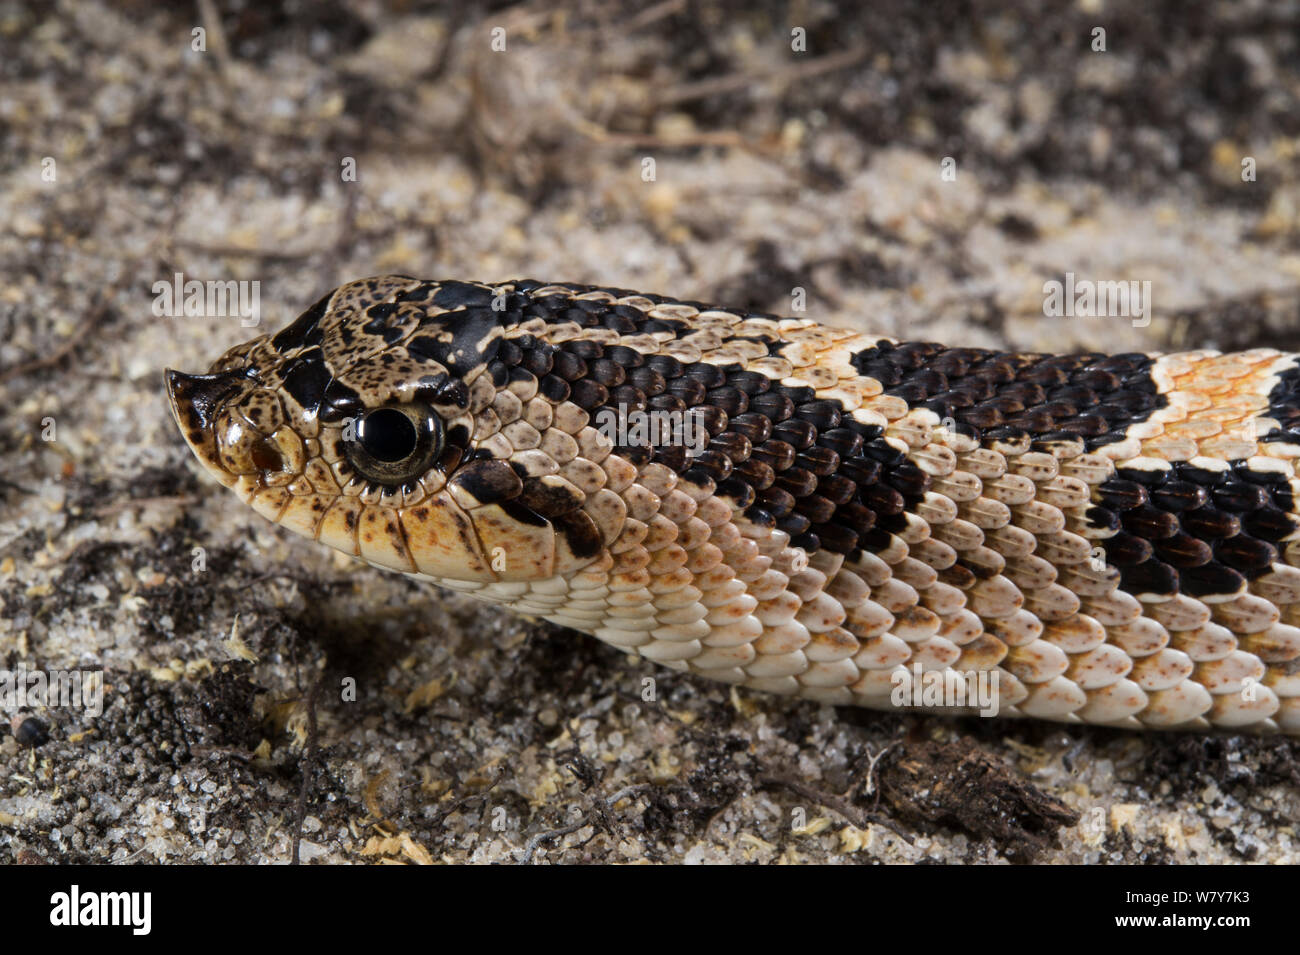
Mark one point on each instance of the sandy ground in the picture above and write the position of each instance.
(129, 156)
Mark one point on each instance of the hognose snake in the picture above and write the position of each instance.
(1113, 537)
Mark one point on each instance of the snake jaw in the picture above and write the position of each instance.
(235, 428)
(195, 402)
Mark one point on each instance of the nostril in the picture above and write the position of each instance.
(265, 455)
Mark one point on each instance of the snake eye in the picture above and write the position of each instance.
(394, 444)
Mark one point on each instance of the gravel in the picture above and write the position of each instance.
(263, 697)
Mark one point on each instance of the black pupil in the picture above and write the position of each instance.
(387, 435)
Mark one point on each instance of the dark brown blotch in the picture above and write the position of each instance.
(580, 532)
(549, 499)
(488, 481)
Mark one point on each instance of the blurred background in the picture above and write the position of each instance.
(725, 151)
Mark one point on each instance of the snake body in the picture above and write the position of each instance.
(838, 514)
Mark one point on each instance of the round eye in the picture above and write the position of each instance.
(395, 444)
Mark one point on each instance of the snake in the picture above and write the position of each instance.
(792, 507)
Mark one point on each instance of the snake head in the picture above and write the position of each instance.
(382, 422)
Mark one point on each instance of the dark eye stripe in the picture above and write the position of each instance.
(306, 378)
